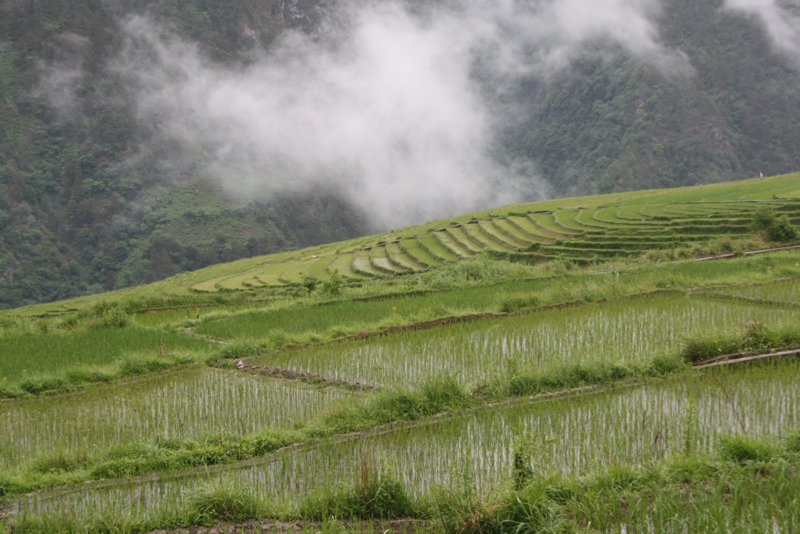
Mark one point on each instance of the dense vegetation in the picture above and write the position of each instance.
(495, 393)
(88, 204)
(612, 124)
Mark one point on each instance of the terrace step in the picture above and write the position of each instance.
(506, 233)
(548, 224)
(423, 258)
(433, 246)
(401, 259)
(466, 239)
(453, 246)
(529, 228)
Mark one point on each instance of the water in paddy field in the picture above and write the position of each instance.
(186, 405)
(634, 330)
(580, 435)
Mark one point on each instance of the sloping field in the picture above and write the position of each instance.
(577, 229)
(637, 329)
(190, 404)
(533, 368)
(584, 229)
(582, 434)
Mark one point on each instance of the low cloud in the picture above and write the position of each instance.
(388, 112)
(543, 37)
(781, 18)
(60, 79)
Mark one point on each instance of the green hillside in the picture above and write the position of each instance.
(90, 203)
(566, 366)
(639, 228)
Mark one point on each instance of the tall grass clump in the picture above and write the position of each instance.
(518, 383)
(743, 449)
(753, 335)
(221, 500)
(376, 495)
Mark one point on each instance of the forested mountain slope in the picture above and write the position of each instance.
(89, 202)
(613, 124)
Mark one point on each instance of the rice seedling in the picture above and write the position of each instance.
(634, 330)
(689, 493)
(190, 404)
(584, 435)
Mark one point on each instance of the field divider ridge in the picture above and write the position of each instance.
(301, 376)
(746, 357)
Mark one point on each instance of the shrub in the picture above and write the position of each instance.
(373, 497)
(334, 285)
(772, 227)
(115, 318)
(310, 283)
(742, 450)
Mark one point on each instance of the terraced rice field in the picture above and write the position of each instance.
(444, 438)
(574, 435)
(189, 404)
(573, 235)
(582, 232)
(631, 330)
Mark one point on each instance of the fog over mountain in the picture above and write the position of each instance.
(144, 138)
(384, 109)
(780, 18)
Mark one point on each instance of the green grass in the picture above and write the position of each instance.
(28, 355)
(782, 291)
